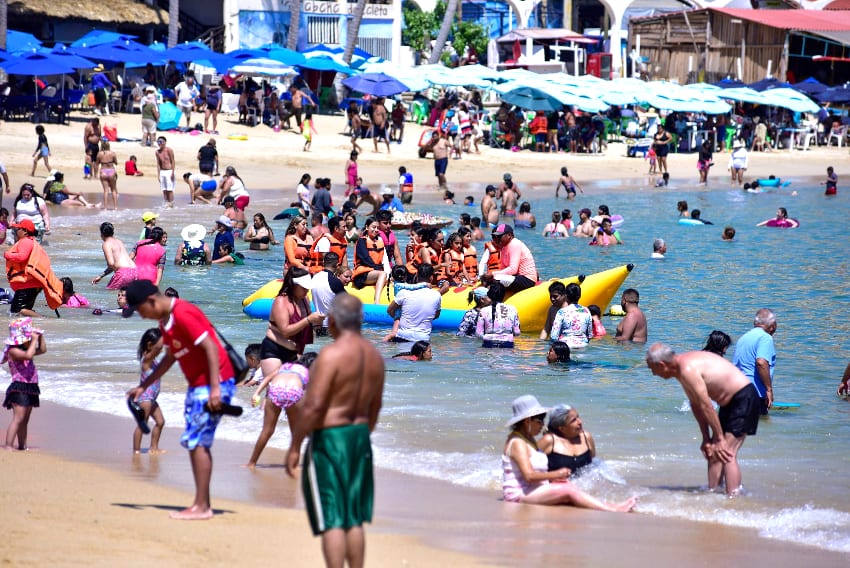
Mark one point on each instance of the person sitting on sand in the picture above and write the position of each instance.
(567, 444)
(525, 469)
(55, 191)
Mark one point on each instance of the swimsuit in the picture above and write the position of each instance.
(740, 416)
(122, 278)
(152, 391)
(514, 485)
(24, 389)
(286, 396)
(337, 480)
(573, 463)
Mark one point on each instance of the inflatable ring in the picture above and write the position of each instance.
(237, 137)
(775, 182)
(685, 221)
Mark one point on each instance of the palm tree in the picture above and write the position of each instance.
(445, 28)
(350, 43)
(4, 22)
(173, 21)
(294, 23)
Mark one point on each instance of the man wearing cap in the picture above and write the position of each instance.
(508, 183)
(389, 201)
(99, 84)
(149, 219)
(193, 343)
(117, 260)
(22, 281)
(518, 270)
(150, 116)
(584, 228)
(224, 234)
(489, 207)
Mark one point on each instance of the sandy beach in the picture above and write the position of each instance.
(82, 497)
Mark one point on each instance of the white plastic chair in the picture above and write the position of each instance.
(839, 134)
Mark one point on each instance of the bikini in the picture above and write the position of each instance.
(573, 463)
(284, 396)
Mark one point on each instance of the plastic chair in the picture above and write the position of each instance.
(419, 112)
(839, 134)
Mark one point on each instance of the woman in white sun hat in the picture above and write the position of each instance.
(525, 475)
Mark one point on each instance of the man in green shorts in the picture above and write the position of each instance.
(340, 410)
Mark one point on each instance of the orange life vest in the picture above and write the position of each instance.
(470, 262)
(376, 254)
(295, 250)
(36, 270)
(316, 262)
(455, 270)
(494, 260)
(436, 262)
(413, 259)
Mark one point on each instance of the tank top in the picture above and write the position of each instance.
(573, 463)
(29, 210)
(514, 485)
(305, 336)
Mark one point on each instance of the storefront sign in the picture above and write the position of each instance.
(332, 8)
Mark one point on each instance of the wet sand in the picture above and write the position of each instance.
(84, 476)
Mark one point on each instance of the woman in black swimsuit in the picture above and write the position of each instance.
(661, 144)
(566, 444)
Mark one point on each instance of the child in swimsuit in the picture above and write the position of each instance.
(285, 389)
(831, 182)
(150, 346)
(24, 343)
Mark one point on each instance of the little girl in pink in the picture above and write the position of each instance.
(24, 343)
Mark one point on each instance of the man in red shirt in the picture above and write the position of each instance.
(192, 342)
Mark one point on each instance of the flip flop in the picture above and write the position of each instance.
(139, 414)
(228, 409)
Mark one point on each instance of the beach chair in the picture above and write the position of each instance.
(419, 112)
(638, 146)
(838, 134)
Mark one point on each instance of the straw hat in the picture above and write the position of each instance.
(524, 407)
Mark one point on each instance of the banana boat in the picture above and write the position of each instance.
(531, 304)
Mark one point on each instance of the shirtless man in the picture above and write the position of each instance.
(633, 326)
(117, 260)
(508, 183)
(338, 412)
(585, 226)
(297, 104)
(165, 170)
(379, 124)
(440, 146)
(704, 377)
(91, 143)
(489, 208)
(509, 200)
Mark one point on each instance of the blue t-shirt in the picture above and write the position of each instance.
(225, 236)
(755, 344)
(394, 205)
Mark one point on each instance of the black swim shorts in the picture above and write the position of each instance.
(741, 416)
(24, 299)
(271, 350)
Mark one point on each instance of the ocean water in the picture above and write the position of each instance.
(445, 419)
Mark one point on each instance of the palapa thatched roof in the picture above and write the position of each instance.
(112, 11)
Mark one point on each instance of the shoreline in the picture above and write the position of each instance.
(418, 521)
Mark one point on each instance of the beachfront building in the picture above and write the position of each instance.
(750, 45)
(252, 23)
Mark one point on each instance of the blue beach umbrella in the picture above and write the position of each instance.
(810, 86)
(20, 41)
(36, 64)
(199, 53)
(532, 98)
(729, 83)
(790, 99)
(768, 84)
(263, 66)
(835, 95)
(284, 55)
(376, 84)
(127, 51)
(322, 62)
(100, 37)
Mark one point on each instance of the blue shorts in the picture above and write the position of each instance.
(440, 166)
(200, 424)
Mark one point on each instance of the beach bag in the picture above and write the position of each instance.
(240, 366)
